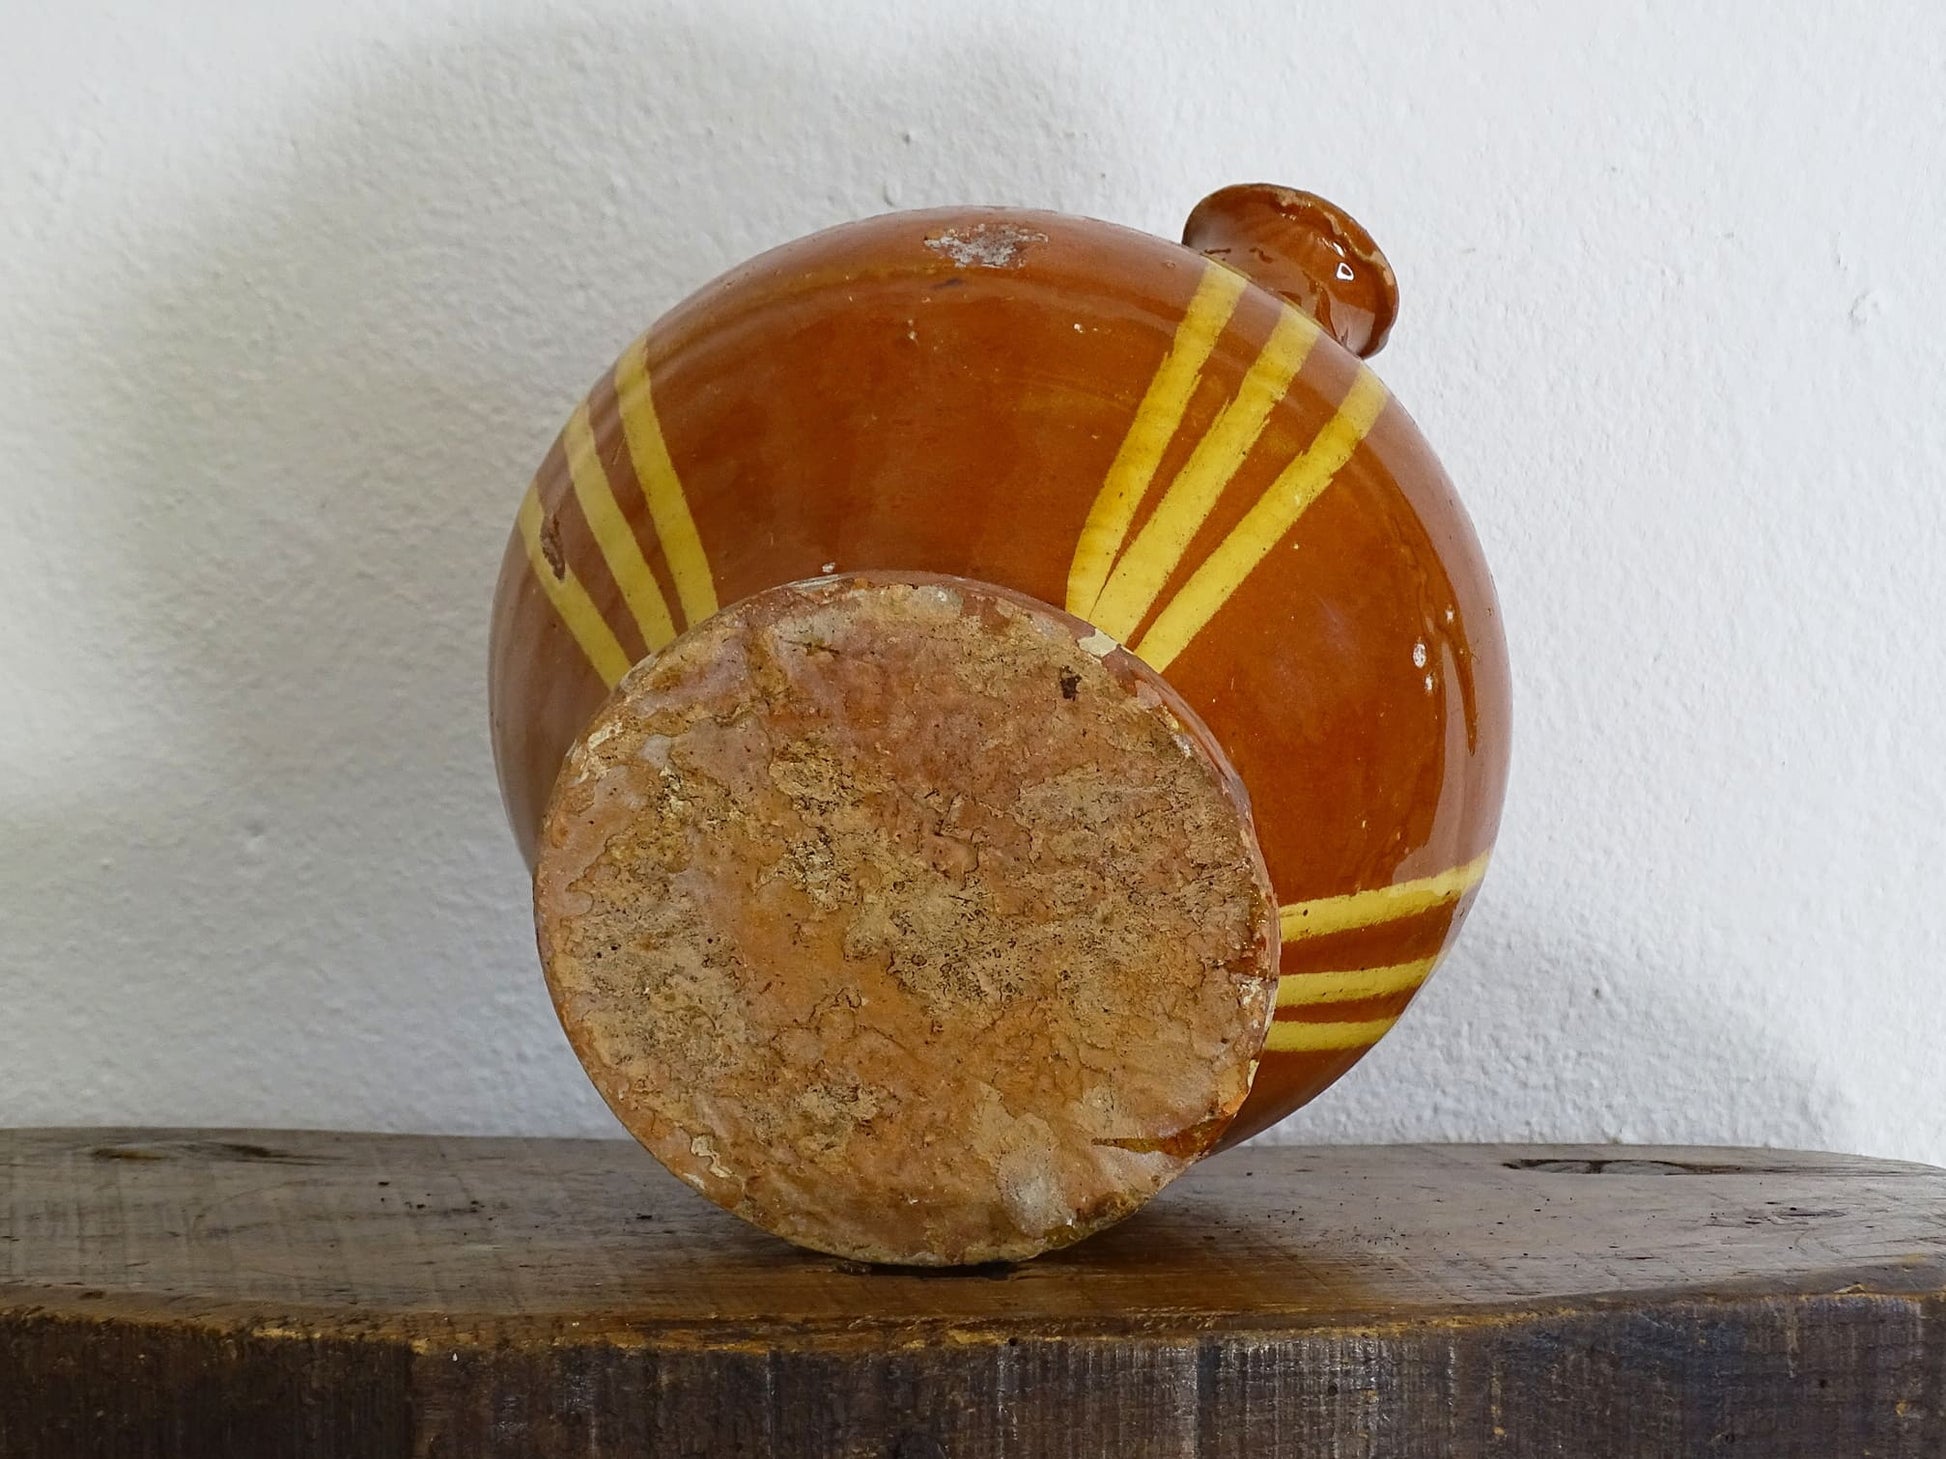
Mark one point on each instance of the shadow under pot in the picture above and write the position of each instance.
(998, 706)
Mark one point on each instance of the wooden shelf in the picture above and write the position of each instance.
(266, 1294)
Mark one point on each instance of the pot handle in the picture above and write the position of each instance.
(1309, 251)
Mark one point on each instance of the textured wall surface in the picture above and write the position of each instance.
(293, 297)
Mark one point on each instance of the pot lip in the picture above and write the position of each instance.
(1307, 213)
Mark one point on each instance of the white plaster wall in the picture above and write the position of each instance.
(293, 296)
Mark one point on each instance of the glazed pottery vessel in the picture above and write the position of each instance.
(998, 705)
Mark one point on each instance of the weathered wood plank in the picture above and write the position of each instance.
(209, 1293)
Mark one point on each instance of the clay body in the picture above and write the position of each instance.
(1116, 426)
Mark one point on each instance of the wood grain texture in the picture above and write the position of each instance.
(212, 1293)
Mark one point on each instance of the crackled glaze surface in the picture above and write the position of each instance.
(1107, 422)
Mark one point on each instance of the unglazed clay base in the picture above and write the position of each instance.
(908, 918)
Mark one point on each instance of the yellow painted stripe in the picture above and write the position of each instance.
(1142, 570)
(571, 600)
(612, 533)
(1288, 1036)
(1274, 514)
(1381, 904)
(682, 548)
(1309, 990)
(1149, 433)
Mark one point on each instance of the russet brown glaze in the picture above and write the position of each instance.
(1109, 423)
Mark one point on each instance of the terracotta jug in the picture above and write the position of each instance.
(998, 706)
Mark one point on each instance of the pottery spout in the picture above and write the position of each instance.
(1305, 249)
